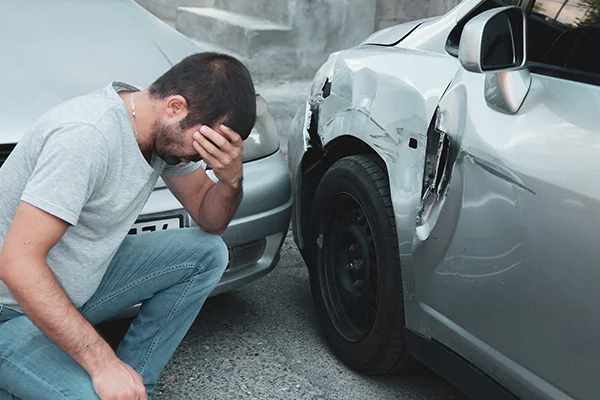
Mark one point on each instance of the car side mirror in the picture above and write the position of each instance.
(495, 43)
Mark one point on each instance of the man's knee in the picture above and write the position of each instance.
(207, 251)
(216, 254)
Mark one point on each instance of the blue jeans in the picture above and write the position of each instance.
(170, 272)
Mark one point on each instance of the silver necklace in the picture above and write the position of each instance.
(134, 118)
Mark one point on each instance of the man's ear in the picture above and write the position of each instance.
(176, 107)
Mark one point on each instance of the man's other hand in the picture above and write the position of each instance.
(118, 381)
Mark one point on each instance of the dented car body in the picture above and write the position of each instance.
(488, 152)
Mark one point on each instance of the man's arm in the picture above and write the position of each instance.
(24, 270)
(212, 205)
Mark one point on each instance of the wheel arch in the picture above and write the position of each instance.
(315, 164)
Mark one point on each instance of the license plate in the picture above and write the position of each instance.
(155, 225)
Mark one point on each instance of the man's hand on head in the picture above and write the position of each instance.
(222, 152)
(212, 206)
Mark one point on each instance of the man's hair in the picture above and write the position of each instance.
(217, 88)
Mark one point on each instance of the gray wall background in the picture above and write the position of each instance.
(313, 28)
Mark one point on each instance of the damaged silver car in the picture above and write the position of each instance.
(446, 201)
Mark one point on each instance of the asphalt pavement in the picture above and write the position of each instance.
(263, 341)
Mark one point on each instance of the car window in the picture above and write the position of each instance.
(454, 37)
(564, 39)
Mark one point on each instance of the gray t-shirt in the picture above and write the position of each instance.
(81, 162)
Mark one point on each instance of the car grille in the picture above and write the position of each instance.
(5, 150)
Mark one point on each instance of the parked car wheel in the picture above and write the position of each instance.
(355, 271)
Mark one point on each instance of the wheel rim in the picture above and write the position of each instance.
(349, 268)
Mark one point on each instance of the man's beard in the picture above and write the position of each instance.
(166, 138)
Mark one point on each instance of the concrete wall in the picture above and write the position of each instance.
(324, 26)
(167, 9)
(392, 12)
(316, 28)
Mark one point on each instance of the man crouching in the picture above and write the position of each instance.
(71, 190)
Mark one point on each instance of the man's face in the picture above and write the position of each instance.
(174, 144)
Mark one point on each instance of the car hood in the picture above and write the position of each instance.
(390, 36)
(51, 51)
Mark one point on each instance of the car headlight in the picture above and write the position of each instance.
(263, 140)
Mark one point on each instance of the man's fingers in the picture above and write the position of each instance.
(216, 149)
(143, 395)
(213, 144)
(138, 378)
(206, 156)
(139, 390)
(224, 157)
(233, 136)
(209, 147)
(216, 138)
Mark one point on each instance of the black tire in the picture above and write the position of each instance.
(354, 267)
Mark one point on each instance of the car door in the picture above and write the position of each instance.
(507, 255)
